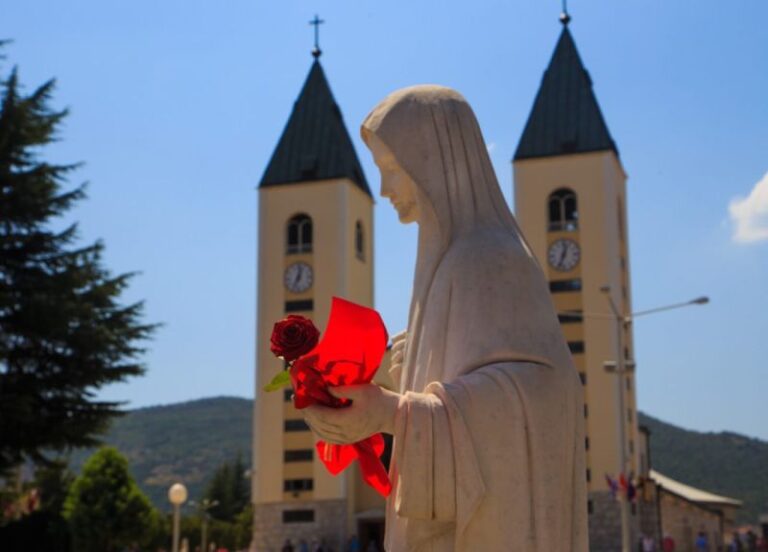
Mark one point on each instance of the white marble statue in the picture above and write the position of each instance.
(488, 417)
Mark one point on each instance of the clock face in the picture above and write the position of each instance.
(298, 277)
(563, 255)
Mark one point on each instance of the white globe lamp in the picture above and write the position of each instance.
(177, 494)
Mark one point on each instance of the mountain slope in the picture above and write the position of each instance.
(188, 441)
(180, 442)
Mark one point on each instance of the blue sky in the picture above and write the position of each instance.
(177, 106)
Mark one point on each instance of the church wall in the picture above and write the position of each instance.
(597, 211)
(604, 523)
(334, 207)
(683, 520)
(270, 533)
(729, 518)
(622, 295)
(359, 282)
(598, 180)
(267, 473)
(649, 506)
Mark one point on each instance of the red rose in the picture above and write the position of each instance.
(293, 336)
(310, 387)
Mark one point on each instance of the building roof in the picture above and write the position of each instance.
(315, 144)
(565, 118)
(691, 493)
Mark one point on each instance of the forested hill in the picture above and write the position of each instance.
(188, 441)
(181, 442)
(723, 463)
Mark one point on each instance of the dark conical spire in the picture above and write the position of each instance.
(565, 117)
(315, 144)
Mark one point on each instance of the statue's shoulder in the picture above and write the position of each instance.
(479, 247)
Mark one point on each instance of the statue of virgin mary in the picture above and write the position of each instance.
(487, 416)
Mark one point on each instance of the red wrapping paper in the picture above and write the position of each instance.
(349, 353)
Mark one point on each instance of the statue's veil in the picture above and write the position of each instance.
(435, 138)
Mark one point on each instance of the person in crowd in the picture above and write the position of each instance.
(736, 545)
(668, 543)
(648, 544)
(354, 544)
(702, 543)
(287, 547)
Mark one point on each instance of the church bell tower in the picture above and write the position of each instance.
(570, 201)
(315, 241)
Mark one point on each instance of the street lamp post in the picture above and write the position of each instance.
(204, 532)
(621, 367)
(177, 494)
(203, 507)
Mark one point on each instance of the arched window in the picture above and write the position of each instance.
(563, 210)
(359, 241)
(299, 234)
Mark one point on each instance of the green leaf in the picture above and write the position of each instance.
(281, 380)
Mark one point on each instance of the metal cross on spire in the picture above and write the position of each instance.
(317, 22)
(565, 17)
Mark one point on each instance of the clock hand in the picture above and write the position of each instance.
(297, 278)
(562, 256)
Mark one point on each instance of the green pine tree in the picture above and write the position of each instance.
(230, 489)
(105, 508)
(63, 333)
(241, 486)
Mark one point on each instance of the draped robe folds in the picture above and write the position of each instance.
(489, 438)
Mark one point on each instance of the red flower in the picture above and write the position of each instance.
(351, 350)
(293, 336)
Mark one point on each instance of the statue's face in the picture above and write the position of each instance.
(396, 185)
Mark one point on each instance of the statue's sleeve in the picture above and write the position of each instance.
(439, 476)
(426, 489)
(499, 452)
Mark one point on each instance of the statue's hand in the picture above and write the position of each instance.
(398, 351)
(373, 410)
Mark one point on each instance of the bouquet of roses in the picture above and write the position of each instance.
(349, 353)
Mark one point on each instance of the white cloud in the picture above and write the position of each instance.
(750, 214)
(491, 146)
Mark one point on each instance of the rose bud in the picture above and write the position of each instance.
(293, 336)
